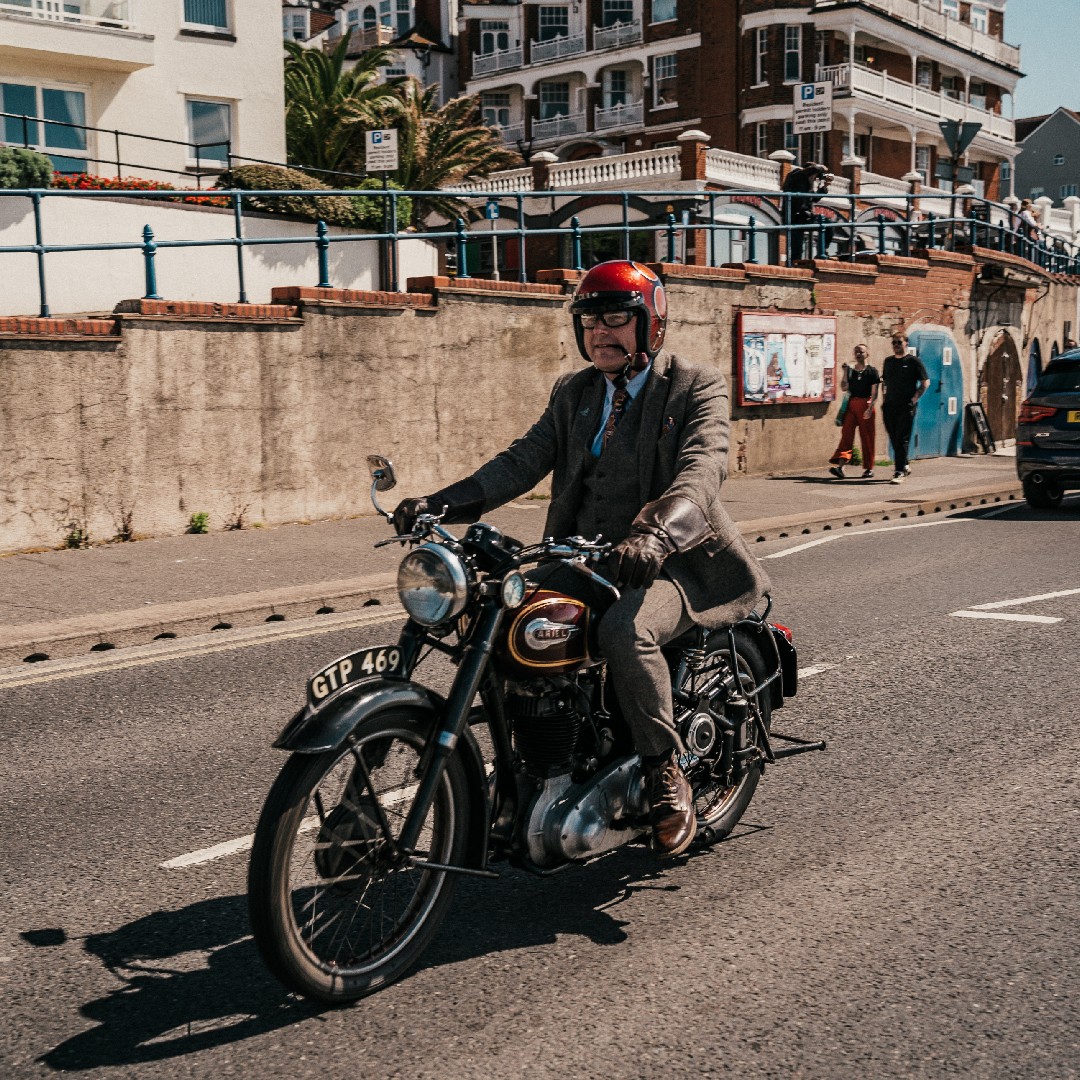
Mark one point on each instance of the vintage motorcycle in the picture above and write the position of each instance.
(387, 799)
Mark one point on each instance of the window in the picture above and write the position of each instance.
(951, 87)
(922, 162)
(924, 74)
(404, 17)
(1069, 189)
(980, 19)
(371, 17)
(977, 95)
(817, 144)
(295, 27)
(761, 140)
(65, 145)
(494, 36)
(385, 16)
(1006, 170)
(792, 53)
(394, 71)
(663, 10)
(1036, 192)
(554, 100)
(207, 14)
(617, 11)
(665, 75)
(615, 88)
(791, 140)
(1059, 159)
(495, 109)
(761, 56)
(822, 50)
(859, 149)
(209, 130)
(554, 23)
(950, 9)
(352, 19)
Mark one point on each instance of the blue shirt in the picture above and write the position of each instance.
(633, 387)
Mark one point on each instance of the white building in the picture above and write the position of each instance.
(203, 73)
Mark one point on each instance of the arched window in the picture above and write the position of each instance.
(370, 17)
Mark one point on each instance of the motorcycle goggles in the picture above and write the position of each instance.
(612, 319)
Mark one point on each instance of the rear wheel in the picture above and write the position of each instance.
(333, 916)
(1044, 496)
(719, 806)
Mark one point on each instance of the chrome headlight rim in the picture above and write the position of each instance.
(452, 591)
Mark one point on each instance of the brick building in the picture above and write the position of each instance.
(582, 78)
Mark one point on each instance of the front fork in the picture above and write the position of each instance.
(455, 718)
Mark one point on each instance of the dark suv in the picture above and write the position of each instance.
(1048, 433)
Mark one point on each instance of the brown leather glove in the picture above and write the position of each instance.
(406, 513)
(665, 526)
(639, 558)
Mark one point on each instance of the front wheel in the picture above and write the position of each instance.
(334, 917)
(719, 806)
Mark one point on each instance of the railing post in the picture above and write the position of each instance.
(626, 225)
(712, 230)
(575, 245)
(394, 243)
(116, 143)
(822, 248)
(881, 234)
(931, 240)
(671, 237)
(149, 253)
(239, 241)
(198, 165)
(522, 274)
(1001, 235)
(751, 239)
(462, 251)
(322, 246)
(43, 299)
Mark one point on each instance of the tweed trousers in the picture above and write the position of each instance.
(631, 633)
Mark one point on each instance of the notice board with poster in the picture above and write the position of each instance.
(784, 358)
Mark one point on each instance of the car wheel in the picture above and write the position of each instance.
(1044, 496)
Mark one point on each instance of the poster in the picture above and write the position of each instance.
(785, 359)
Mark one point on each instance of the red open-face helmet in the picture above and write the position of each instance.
(621, 285)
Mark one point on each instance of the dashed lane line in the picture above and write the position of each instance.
(1004, 616)
(1025, 600)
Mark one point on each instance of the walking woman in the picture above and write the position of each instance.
(860, 381)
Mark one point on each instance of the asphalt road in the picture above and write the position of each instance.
(903, 906)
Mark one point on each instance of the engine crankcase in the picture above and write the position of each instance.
(571, 821)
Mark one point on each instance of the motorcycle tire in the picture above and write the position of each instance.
(719, 809)
(332, 919)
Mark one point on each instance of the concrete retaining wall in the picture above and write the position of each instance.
(266, 413)
(96, 280)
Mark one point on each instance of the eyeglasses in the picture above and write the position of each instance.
(610, 319)
(898, 341)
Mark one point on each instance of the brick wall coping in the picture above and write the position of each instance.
(201, 310)
(939, 255)
(897, 263)
(301, 295)
(840, 268)
(763, 270)
(668, 271)
(482, 285)
(561, 276)
(27, 326)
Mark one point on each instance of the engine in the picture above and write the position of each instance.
(547, 729)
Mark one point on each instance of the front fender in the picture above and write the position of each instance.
(315, 731)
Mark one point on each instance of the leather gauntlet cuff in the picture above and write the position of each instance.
(463, 502)
(675, 520)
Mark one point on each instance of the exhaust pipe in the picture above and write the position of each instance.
(1037, 478)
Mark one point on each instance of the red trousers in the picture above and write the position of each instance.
(853, 419)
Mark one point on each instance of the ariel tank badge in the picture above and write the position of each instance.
(549, 633)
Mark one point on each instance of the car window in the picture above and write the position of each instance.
(1060, 379)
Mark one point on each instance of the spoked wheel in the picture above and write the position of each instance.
(719, 806)
(334, 915)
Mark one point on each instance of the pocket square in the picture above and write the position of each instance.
(669, 425)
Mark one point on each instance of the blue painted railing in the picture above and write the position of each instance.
(846, 228)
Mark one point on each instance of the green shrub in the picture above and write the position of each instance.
(349, 211)
(24, 168)
(199, 522)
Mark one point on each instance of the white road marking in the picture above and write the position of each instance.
(201, 645)
(862, 532)
(816, 669)
(1004, 616)
(1025, 600)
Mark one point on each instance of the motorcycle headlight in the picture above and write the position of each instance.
(432, 584)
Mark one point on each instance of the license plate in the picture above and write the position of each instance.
(379, 662)
(1073, 416)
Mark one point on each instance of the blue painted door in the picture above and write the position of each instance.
(940, 416)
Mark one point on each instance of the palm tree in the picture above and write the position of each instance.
(438, 147)
(328, 109)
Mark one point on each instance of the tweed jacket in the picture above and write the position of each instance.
(683, 451)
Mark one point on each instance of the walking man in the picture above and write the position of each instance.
(903, 382)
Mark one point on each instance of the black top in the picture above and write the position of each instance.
(861, 383)
(901, 376)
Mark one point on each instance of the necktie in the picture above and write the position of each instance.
(619, 401)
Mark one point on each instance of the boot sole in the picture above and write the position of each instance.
(666, 854)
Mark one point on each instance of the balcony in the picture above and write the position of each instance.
(618, 116)
(360, 41)
(511, 134)
(952, 31)
(612, 37)
(863, 83)
(553, 48)
(487, 63)
(97, 33)
(558, 127)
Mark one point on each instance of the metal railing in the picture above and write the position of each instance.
(104, 14)
(487, 63)
(553, 48)
(621, 33)
(202, 164)
(629, 112)
(762, 228)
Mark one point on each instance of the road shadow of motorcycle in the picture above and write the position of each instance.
(191, 979)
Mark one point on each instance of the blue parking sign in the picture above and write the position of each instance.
(808, 92)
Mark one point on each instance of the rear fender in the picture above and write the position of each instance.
(316, 731)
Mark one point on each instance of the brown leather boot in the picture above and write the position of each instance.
(671, 807)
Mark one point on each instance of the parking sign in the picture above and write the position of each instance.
(382, 151)
(813, 108)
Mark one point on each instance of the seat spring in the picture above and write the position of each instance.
(695, 659)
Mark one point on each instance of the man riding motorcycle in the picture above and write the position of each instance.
(637, 444)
